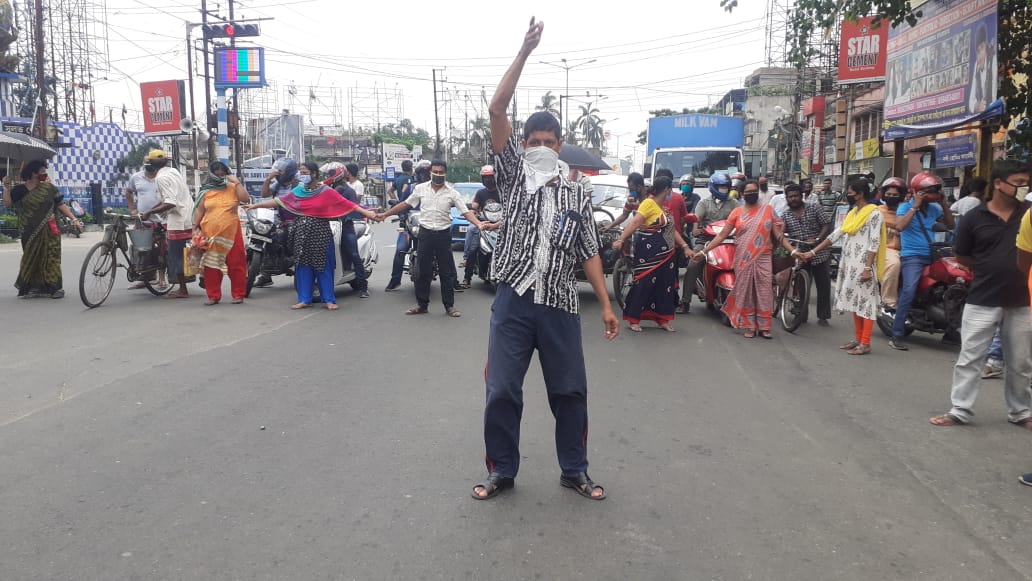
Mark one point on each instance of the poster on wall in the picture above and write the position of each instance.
(942, 71)
(862, 51)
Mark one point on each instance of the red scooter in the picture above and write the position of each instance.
(717, 277)
(939, 302)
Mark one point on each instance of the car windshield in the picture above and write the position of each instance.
(701, 164)
(609, 196)
(467, 191)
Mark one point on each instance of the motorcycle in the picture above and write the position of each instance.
(65, 224)
(493, 214)
(939, 301)
(267, 250)
(717, 278)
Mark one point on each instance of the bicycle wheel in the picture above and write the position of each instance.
(795, 305)
(98, 274)
(622, 280)
(157, 289)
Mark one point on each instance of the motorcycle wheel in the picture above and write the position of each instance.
(795, 304)
(622, 280)
(413, 266)
(885, 322)
(254, 267)
(718, 305)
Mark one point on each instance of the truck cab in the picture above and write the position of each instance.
(701, 162)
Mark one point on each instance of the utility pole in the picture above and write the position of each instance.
(238, 146)
(193, 109)
(41, 99)
(207, 86)
(437, 120)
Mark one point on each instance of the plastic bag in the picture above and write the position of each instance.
(192, 261)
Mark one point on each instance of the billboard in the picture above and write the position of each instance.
(942, 71)
(239, 68)
(393, 155)
(163, 106)
(956, 151)
(812, 148)
(862, 51)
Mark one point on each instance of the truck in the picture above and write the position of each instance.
(695, 144)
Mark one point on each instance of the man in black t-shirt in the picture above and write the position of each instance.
(484, 195)
(998, 296)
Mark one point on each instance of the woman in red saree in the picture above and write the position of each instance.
(751, 304)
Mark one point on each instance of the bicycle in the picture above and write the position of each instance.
(792, 300)
(97, 276)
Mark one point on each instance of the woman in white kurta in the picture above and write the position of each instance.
(861, 265)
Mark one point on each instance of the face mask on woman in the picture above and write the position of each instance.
(751, 197)
(304, 179)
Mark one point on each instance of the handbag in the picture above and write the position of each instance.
(52, 224)
(932, 256)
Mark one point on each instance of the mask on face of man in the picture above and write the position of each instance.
(149, 168)
(437, 178)
(686, 188)
(541, 164)
(489, 183)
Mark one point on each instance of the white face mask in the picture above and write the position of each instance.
(541, 164)
(1021, 193)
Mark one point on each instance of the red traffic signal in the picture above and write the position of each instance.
(230, 30)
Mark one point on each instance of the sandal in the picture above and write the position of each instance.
(668, 328)
(177, 295)
(766, 335)
(417, 311)
(749, 334)
(682, 309)
(583, 485)
(211, 302)
(850, 346)
(1025, 423)
(946, 420)
(331, 306)
(494, 484)
(300, 306)
(453, 312)
(237, 301)
(860, 349)
(636, 328)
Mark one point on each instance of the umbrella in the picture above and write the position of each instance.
(23, 147)
(580, 158)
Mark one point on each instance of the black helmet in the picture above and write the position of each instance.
(287, 168)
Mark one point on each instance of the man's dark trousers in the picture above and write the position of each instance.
(821, 274)
(518, 326)
(349, 251)
(435, 243)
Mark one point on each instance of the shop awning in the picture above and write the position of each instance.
(909, 131)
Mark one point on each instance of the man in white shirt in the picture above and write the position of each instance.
(177, 205)
(141, 195)
(435, 199)
(353, 181)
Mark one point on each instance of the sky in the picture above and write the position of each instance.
(656, 55)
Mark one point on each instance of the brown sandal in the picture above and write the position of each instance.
(946, 420)
(850, 346)
(1025, 423)
(453, 312)
(417, 311)
(860, 349)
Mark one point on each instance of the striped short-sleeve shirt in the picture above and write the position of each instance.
(545, 235)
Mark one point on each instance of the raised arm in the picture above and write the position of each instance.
(501, 129)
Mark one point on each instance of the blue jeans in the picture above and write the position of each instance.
(911, 268)
(518, 327)
(306, 277)
(400, 250)
(349, 251)
(996, 347)
(469, 248)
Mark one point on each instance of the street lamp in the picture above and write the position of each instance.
(567, 68)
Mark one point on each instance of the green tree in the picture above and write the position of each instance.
(590, 126)
(404, 133)
(549, 103)
(1014, 53)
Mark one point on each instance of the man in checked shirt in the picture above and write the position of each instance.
(548, 230)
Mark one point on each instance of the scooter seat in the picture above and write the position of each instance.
(360, 228)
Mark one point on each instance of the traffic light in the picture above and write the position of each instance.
(230, 30)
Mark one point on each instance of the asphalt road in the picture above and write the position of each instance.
(162, 439)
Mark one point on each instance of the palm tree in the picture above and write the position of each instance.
(549, 103)
(591, 126)
(571, 133)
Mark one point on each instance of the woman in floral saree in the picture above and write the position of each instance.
(751, 304)
(37, 201)
(651, 296)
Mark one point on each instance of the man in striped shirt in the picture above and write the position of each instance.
(547, 231)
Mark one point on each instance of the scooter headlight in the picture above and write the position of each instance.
(262, 227)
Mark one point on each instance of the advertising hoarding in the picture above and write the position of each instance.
(942, 71)
(163, 106)
(862, 51)
(239, 68)
(812, 148)
(956, 151)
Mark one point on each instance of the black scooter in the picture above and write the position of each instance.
(267, 250)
